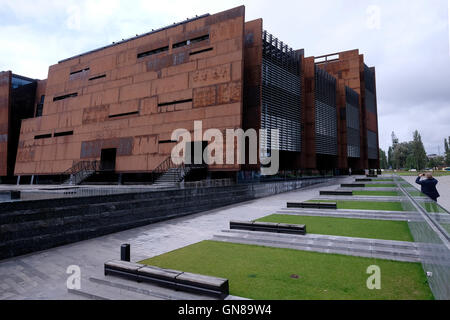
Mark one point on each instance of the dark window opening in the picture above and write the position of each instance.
(108, 159)
(166, 141)
(79, 71)
(193, 157)
(70, 95)
(199, 39)
(200, 51)
(180, 44)
(173, 102)
(123, 114)
(152, 52)
(98, 77)
(40, 107)
(191, 41)
(43, 136)
(343, 113)
(62, 134)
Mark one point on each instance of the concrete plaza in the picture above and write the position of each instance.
(42, 275)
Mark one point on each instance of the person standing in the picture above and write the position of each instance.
(428, 185)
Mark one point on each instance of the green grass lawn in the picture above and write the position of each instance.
(359, 228)
(264, 273)
(383, 180)
(381, 185)
(415, 174)
(365, 205)
(376, 193)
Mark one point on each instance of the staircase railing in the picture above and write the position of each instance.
(182, 168)
(81, 170)
(93, 165)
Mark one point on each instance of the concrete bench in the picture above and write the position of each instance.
(336, 193)
(174, 279)
(371, 176)
(123, 269)
(192, 282)
(268, 227)
(363, 180)
(292, 228)
(353, 185)
(312, 205)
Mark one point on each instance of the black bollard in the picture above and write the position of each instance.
(125, 252)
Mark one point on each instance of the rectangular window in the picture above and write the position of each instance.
(40, 107)
(166, 141)
(173, 102)
(190, 41)
(199, 39)
(62, 134)
(43, 136)
(152, 52)
(200, 51)
(180, 44)
(123, 114)
(98, 77)
(66, 96)
(79, 71)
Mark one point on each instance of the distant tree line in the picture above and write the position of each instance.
(411, 155)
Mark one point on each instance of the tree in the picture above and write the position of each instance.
(418, 155)
(410, 162)
(435, 162)
(400, 154)
(383, 159)
(447, 151)
(391, 157)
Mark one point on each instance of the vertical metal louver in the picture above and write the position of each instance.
(372, 143)
(281, 93)
(353, 129)
(326, 113)
(369, 80)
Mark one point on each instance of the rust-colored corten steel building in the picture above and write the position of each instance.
(17, 102)
(357, 105)
(120, 104)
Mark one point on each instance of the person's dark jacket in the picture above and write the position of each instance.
(428, 187)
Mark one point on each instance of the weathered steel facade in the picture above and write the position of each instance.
(130, 96)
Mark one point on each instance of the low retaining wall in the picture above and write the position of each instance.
(30, 226)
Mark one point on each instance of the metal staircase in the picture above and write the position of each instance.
(171, 174)
(81, 171)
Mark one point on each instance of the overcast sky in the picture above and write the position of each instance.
(407, 41)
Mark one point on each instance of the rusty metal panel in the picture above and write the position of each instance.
(93, 149)
(5, 93)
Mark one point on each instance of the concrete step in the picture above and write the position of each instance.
(368, 189)
(381, 249)
(146, 291)
(369, 216)
(102, 290)
(350, 211)
(362, 198)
